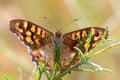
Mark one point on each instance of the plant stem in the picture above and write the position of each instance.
(40, 74)
(67, 71)
(105, 49)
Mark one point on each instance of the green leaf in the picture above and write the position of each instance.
(37, 74)
(105, 33)
(107, 70)
(41, 68)
(95, 65)
(85, 70)
(53, 72)
(6, 78)
(109, 40)
(105, 49)
(88, 41)
(79, 52)
(99, 68)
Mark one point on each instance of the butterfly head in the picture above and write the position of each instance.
(58, 34)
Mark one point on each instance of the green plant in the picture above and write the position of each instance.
(84, 59)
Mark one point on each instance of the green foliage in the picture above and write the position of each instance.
(84, 59)
(7, 78)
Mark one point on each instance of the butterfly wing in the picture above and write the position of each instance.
(70, 40)
(31, 34)
(38, 39)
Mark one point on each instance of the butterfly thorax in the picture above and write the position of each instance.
(57, 38)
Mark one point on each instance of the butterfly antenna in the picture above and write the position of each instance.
(49, 21)
(68, 24)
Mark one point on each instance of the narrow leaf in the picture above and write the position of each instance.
(88, 41)
(79, 52)
(105, 49)
(53, 72)
(84, 70)
(107, 70)
(99, 68)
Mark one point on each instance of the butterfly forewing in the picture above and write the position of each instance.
(70, 40)
(31, 34)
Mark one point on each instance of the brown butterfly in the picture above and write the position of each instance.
(42, 43)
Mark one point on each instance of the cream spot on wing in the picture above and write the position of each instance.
(37, 41)
(84, 33)
(34, 36)
(86, 45)
(72, 55)
(21, 37)
(78, 34)
(100, 34)
(94, 44)
(93, 30)
(28, 33)
(28, 39)
(33, 28)
(38, 31)
(25, 25)
(73, 36)
(95, 38)
(42, 52)
(17, 25)
(35, 52)
(20, 30)
(43, 34)
(32, 42)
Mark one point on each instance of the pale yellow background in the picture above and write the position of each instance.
(13, 54)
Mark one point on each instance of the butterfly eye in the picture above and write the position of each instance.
(97, 34)
(20, 26)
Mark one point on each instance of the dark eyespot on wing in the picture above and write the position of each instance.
(96, 34)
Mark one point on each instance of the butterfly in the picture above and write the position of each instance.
(42, 43)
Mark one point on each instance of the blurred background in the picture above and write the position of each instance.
(14, 59)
